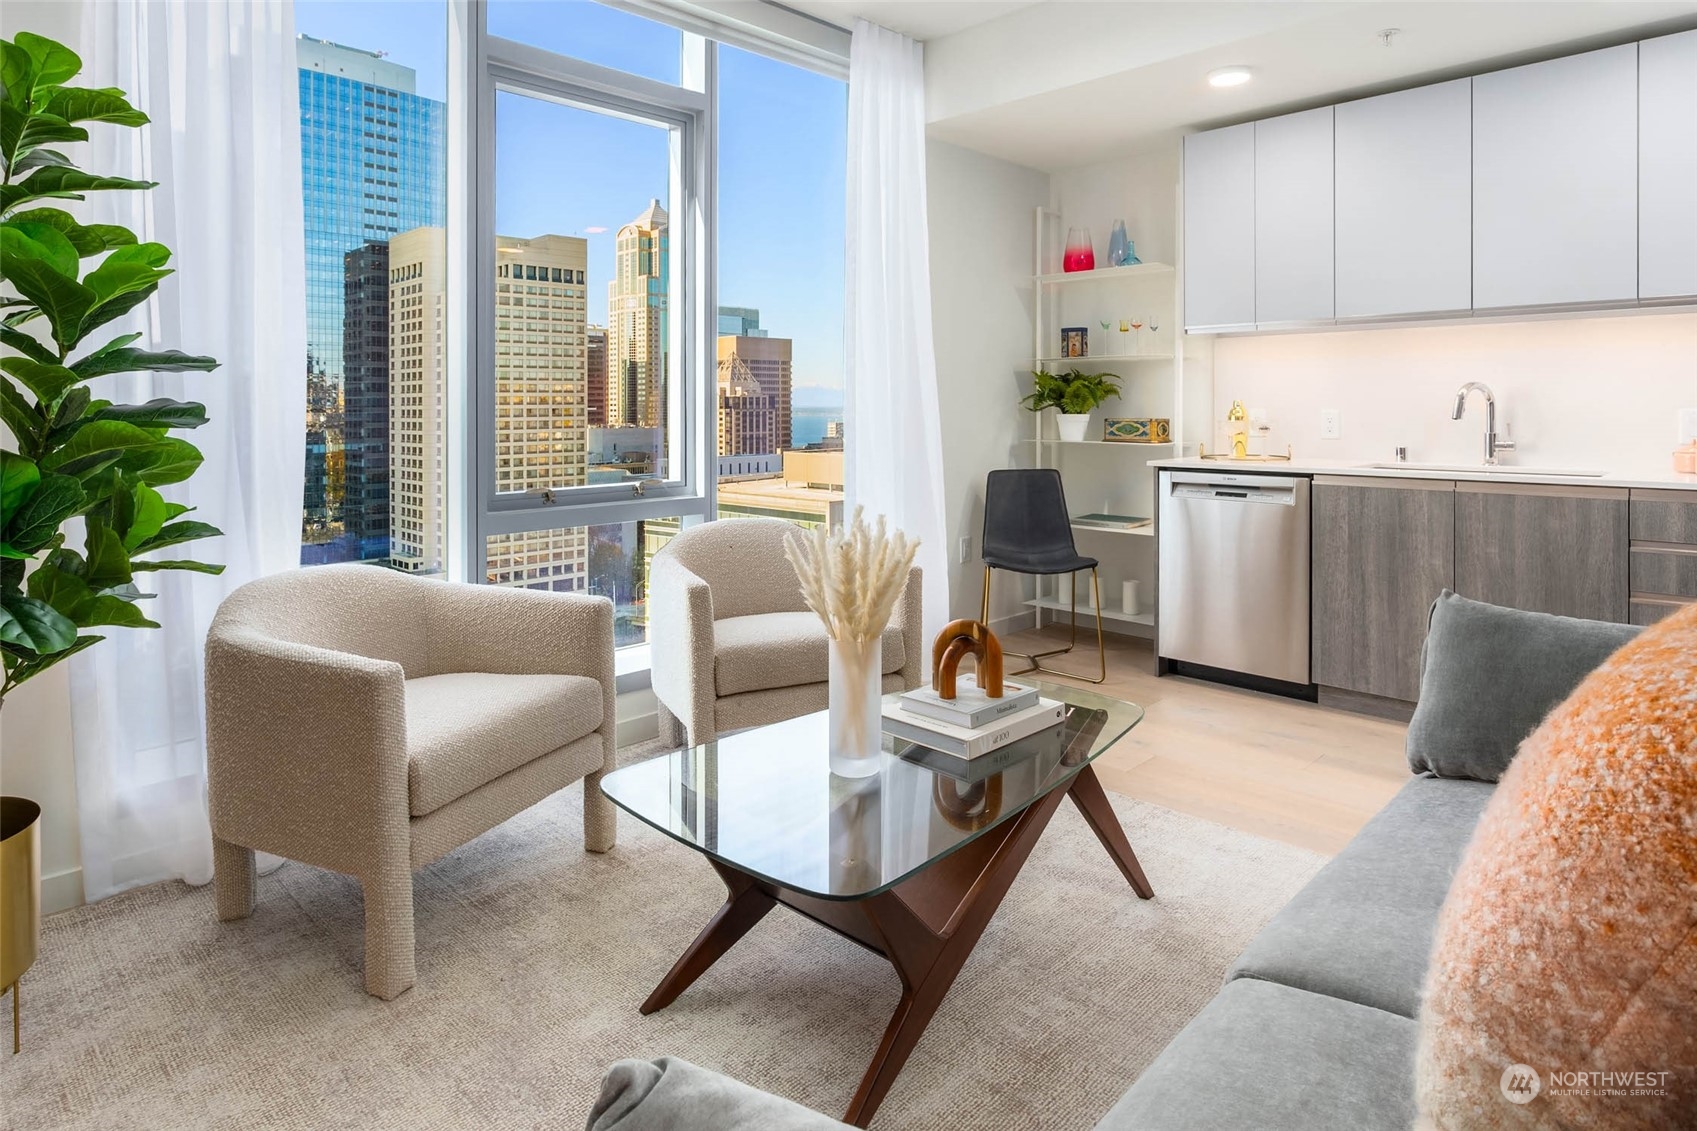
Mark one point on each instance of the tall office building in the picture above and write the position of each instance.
(373, 164)
(418, 286)
(748, 414)
(541, 437)
(597, 376)
(636, 323)
(365, 398)
(541, 401)
(740, 322)
(765, 362)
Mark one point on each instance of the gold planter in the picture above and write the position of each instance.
(20, 895)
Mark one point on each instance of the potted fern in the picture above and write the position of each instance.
(1073, 394)
(81, 513)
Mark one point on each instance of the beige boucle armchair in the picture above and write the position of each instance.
(733, 645)
(368, 722)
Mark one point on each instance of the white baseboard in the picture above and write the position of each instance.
(61, 891)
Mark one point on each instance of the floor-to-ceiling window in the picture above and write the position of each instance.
(640, 328)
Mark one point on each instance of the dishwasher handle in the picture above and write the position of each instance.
(1232, 489)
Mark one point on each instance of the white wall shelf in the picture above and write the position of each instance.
(1116, 359)
(1087, 614)
(1105, 274)
(1153, 385)
(1137, 531)
(1133, 444)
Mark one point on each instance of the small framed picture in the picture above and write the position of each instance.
(1138, 430)
(1075, 341)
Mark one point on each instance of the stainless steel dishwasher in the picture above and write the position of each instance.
(1234, 576)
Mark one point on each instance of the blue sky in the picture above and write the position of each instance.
(782, 150)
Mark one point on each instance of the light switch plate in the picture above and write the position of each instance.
(1331, 424)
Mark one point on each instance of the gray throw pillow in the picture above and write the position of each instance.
(1488, 677)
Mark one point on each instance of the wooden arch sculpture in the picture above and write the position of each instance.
(962, 638)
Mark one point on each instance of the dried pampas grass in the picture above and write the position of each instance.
(852, 576)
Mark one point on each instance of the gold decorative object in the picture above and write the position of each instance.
(20, 898)
(971, 808)
(1237, 424)
(1271, 457)
(959, 639)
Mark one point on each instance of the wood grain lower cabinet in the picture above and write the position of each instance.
(1547, 549)
(1383, 549)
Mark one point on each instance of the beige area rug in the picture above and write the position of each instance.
(145, 1012)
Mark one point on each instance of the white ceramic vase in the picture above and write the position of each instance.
(1072, 425)
(854, 708)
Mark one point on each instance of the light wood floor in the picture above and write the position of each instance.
(1292, 771)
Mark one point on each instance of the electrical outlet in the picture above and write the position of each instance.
(964, 553)
(1331, 424)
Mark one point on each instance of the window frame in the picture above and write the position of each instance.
(486, 66)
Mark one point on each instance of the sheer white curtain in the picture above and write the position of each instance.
(218, 81)
(895, 439)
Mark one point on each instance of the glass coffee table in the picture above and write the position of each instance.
(911, 862)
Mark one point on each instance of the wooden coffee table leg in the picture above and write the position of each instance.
(745, 906)
(1086, 792)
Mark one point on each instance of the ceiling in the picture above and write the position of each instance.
(1061, 83)
(920, 19)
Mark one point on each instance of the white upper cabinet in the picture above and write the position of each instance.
(1555, 182)
(1293, 218)
(1219, 229)
(1405, 203)
(1667, 166)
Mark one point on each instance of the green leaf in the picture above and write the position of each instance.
(34, 525)
(28, 623)
(159, 413)
(118, 307)
(57, 181)
(23, 132)
(63, 590)
(90, 104)
(54, 62)
(130, 360)
(17, 74)
(71, 596)
(193, 567)
(47, 382)
(19, 477)
(178, 532)
(62, 255)
(21, 418)
(82, 452)
(88, 239)
(108, 563)
(74, 404)
(119, 342)
(168, 461)
(36, 158)
(147, 517)
(27, 345)
(29, 268)
(114, 611)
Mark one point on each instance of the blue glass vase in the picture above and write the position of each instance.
(1121, 251)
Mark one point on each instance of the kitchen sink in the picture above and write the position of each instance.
(1512, 471)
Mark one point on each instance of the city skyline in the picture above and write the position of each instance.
(770, 219)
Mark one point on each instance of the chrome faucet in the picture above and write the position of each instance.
(1493, 445)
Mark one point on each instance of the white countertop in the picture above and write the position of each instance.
(1414, 470)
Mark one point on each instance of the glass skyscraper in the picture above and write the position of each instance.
(373, 163)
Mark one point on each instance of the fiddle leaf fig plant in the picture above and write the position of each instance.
(74, 455)
(1073, 392)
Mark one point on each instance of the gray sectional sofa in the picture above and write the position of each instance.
(1315, 1026)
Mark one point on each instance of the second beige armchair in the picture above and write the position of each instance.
(734, 645)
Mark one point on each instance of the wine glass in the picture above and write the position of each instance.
(1155, 329)
(1106, 324)
(1137, 333)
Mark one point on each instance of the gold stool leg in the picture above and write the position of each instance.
(984, 605)
(1035, 659)
(17, 1042)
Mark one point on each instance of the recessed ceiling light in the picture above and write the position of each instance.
(1228, 76)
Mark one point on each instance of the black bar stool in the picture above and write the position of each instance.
(1028, 529)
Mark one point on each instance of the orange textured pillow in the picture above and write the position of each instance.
(1563, 986)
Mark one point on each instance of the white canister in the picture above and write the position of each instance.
(1128, 597)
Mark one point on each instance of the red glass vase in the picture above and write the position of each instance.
(1080, 254)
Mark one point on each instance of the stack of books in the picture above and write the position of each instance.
(971, 724)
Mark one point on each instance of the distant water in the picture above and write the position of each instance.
(807, 425)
